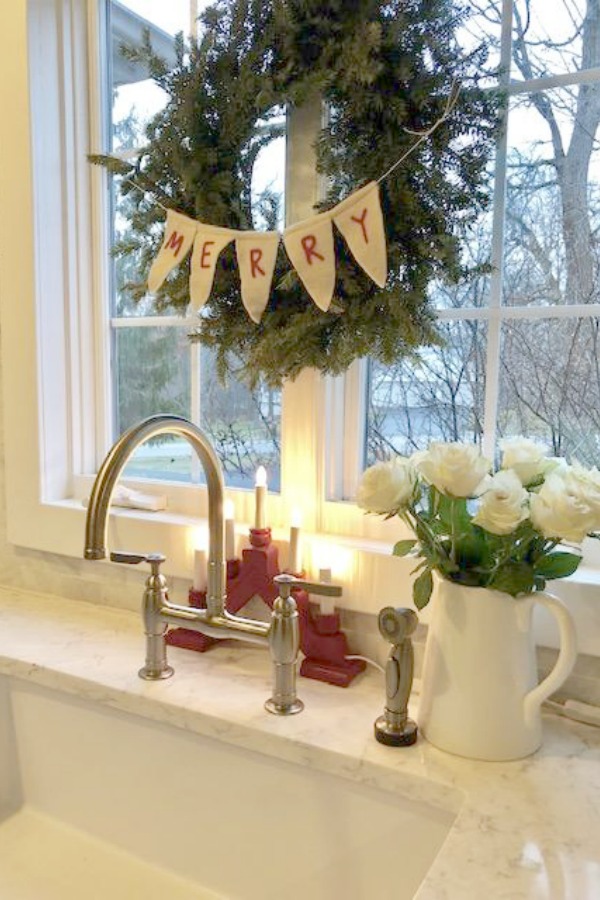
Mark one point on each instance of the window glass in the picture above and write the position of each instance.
(553, 198)
(156, 369)
(549, 38)
(437, 398)
(543, 369)
(550, 385)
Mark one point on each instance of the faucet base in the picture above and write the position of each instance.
(284, 709)
(156, 674)
(394, 735)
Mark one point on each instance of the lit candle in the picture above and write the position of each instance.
(295, 557)
(326, 604)
(260, 493)
(229, 530)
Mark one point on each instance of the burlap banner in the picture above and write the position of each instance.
(308, 244)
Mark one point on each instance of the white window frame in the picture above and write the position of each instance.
(55, 382)
(55, 337)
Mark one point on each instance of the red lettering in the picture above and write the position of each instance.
(205, 254)
(255, 257)
(174, 242)
(309, 243)
(361, 221)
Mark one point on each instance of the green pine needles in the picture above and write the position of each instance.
(383, 69)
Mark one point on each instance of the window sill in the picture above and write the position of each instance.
(370, 575)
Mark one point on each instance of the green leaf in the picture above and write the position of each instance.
(557, 565)
(513, 579)
(422, 589)
(403, 547)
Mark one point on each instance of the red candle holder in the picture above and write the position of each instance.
(322, 642)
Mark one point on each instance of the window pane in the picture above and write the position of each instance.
(550, 385)
(548, 38)
(483, 24)
(243, 425)
(135, 97)
(152, 377)
(473, 290)
(553, 199)
(440, 398)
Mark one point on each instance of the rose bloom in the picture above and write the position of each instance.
(456, 469)
(503, 505)
(561, 508)
(525, 457)
(585, 482)
(388, 486)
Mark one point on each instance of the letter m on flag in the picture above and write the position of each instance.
(174, 242)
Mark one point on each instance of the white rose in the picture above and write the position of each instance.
(585, 482)
(561, 509)
(503, 505)
(456, 469)
(525, 457)
(388, 486)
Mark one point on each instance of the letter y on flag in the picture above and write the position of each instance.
(360, 220)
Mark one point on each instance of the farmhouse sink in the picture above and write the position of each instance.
(96, 803)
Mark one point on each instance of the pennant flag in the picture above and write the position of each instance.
(179, 235)
(309, 245)
(256, 254)
(210, 241)
(360, 220)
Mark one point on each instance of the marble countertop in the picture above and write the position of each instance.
(525, 829)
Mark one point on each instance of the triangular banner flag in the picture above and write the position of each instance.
(309, 245)
(210, 241)
(179, 235)
(256, 254)
(360, 220)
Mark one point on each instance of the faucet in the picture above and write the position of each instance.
(281, 635)
(394, 728)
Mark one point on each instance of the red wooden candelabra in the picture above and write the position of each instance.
(322, 642)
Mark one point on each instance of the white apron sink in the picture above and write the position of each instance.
(96, 803)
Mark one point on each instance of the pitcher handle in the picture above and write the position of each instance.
(566, 656)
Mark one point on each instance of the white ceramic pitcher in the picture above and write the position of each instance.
(480, 693)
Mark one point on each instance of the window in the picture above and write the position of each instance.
(155, 367)
(61, 338)
(520, 353)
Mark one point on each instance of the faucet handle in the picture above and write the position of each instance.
(134, 559)
(287, 583)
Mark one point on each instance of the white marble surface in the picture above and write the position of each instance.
(527, 829)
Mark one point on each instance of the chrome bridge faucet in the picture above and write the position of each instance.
(281, 635)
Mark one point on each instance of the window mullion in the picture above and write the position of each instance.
(302, 413)
(497, 254)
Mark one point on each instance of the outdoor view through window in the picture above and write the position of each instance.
(521, 343)
(519, 349)
(157, 369)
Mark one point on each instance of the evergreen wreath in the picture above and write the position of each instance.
(385, 69)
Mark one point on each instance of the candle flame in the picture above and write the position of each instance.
(229, 509)
(261, 477)
(296, 517)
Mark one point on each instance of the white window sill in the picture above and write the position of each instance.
(370, 575)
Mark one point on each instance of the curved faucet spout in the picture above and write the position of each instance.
(97, 514)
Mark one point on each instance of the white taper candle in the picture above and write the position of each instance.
(326, 604)
(229, 511)
(260, 494)
(295, 556)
